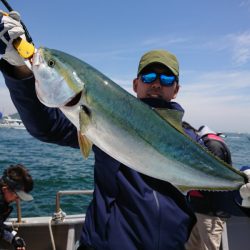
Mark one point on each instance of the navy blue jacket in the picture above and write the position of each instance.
(129, 210)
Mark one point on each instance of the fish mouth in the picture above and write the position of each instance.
(74, 100)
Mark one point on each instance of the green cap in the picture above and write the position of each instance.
(159, 56)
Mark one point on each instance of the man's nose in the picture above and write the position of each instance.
(156, 83)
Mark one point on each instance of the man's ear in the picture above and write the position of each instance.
(135, 84)
(177, 87)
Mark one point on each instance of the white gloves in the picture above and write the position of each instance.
(10, 29)
(245, 190)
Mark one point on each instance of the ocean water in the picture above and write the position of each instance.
(52, 167)
(56, 168)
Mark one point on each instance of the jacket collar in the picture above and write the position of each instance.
(159, 103)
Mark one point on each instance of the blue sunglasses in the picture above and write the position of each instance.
(165, 80)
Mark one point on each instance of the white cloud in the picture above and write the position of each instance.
(236, 44)
(218, 82)
(245, 3)
(158, 42)
(218, 99)
(241, 47)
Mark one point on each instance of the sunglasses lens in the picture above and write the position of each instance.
(148, 78)
(164, 79)
(167, 80)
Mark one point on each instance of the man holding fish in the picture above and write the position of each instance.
(143, 156)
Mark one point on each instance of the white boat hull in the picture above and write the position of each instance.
(8, 122)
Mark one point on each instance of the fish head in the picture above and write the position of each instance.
(57, 83)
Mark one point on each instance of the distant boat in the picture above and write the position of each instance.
(8, 122)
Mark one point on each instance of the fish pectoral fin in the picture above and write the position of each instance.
(84, 121)
(85, 145)
(84, 118)
(173, 117)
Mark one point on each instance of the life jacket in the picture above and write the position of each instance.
(206, 202)
(214, 143)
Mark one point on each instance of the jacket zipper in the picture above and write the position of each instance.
(158, 208)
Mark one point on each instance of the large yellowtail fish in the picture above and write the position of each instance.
(149, 141)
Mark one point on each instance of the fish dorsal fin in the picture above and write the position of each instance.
(85, 145)
(173, 117)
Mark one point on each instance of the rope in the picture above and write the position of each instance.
(51, 235)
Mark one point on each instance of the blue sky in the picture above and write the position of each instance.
(210, 38)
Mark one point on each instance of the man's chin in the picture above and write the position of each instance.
(155, 102)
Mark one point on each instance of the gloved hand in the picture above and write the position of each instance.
(10, 29)
(18, 243)
(12, 238)
(245, 189)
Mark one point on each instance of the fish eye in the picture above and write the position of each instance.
(51, 63)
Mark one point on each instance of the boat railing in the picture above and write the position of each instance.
(60, 231)
(59, 215)
(19, 211)
(63, 234)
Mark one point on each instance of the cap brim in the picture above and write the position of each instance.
(24, 196)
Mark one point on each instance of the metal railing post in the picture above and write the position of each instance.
(19, 211)
(59, 214)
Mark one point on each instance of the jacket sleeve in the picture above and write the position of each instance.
(46, 124)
